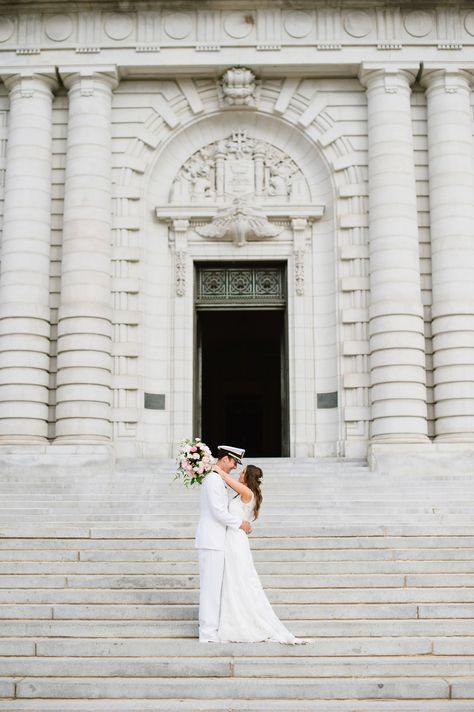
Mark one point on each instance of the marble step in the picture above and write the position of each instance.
(183, 648)
(265, 568)
(273, 503)
(246, 688)
(239, 666)
(338, 544)
(189, 612)
(259, 554)
(189, 629)
(271, 533)
(226, 705)
(184, 581)
(296, 596)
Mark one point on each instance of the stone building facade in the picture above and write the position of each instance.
(291, 175)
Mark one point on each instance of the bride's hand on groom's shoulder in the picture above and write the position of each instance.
(220, 472)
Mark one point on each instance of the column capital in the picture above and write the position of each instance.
(390, 78)
(447, 79)
(29, 81)
(88, 79)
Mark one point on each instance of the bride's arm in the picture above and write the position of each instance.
(244, 491)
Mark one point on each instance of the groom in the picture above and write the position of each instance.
(210, 541)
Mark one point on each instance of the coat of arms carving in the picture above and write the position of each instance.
(236, 167)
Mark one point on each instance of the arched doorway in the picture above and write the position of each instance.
(244, 188)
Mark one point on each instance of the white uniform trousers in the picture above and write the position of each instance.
(211, 573)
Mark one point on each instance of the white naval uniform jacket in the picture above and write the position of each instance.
(215, 517)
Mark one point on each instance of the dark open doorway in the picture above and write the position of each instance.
(242, 374)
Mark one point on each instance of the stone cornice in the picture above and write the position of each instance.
(170, 213)
(160, 35)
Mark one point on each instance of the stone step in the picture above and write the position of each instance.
(295, 596)
(375, 512)
(386, 543)
(289, 532)
(265, 568)
(272, 494)
(186, 612)
(189, 629)
(247, 688)
(185, 581)
(99, 592)
(259, 555)
(224, 705)
(190, 581)
(182, 648)
(434, 515)
(238, 666)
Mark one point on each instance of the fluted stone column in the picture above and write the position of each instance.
(397, 356)
(83, 411)
(25, 261)
(451, 177)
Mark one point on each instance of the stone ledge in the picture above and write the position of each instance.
(421, 458)
(57, 456)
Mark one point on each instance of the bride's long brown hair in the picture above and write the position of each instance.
(253, 477)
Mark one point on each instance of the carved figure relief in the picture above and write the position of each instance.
(239, 166)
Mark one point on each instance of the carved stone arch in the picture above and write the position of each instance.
(345, 175)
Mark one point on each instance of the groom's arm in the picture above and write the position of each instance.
(218, 506)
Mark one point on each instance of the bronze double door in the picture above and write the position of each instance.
(241, 370)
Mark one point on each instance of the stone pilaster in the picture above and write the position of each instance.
(85, 316)
(25, 260)
(451, 177)
(397, 357)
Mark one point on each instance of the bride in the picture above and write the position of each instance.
(246, 614)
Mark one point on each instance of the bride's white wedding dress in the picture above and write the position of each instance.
(246, 614)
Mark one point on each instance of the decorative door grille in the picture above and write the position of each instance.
(249, 287)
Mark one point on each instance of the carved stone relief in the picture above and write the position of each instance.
(239, 166)
(238, 87)
(242, 221)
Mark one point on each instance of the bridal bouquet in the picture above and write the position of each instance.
(194, 461)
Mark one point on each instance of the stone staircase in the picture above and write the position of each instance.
(99, 591)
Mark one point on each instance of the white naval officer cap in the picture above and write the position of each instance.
(235, 452)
